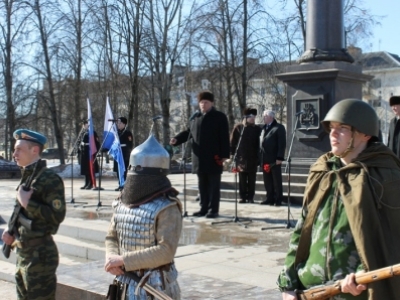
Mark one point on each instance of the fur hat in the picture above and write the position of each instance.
(123, 120)
(205, 95)
(250, 111)
(394, 100)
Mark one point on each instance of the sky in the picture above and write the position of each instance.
(387, 36)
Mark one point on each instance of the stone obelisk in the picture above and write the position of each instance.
(324, 75)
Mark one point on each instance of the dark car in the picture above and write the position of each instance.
(52, 153)
(9, 169)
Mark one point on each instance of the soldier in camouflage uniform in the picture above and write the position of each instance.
(146, 225)
(44, 204)
(351, 212)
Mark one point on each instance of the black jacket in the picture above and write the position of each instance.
(248, 151)
(273, 143)
(394, 136)
(84, 154)
(209, 137)
(126, 140)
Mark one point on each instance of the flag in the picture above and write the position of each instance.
(109, 128)
(111, 142)
(92, 144)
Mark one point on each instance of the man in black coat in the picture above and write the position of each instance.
(208, 134)
(84, 157)
(394, 127)
(245, 140)
(126, 140)
(272, 153)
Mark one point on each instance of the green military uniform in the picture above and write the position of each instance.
(363, 196)
(331, 258)
(37, 254)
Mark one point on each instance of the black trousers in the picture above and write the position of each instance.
(115, 169)
(209, 187)
(273, 184)
(247, 185)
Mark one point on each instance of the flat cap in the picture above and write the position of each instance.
(123, 120)
(30, 135)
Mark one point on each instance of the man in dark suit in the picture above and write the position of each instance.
(126, 140)
(208, 134)
(245, 141)
(272, 150)
(394, 127)
(84, 157)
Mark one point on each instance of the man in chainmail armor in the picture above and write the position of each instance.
(146, 226)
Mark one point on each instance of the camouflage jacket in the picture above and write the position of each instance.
(362, 233)
(46, 207)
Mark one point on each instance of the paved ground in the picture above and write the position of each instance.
(234, 259)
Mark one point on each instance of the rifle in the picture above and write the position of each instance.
(323, 292)
(17, 216)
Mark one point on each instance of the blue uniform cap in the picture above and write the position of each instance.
(30, 135)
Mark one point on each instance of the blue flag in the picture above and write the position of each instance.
(111, 142)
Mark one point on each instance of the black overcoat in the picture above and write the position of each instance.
(209, 137)
(84, 154)
(248, 150)
(273, 143)
(394, 135)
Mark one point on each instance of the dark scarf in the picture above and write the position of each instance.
(140, 189)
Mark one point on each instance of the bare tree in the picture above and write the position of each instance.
(166, 30)
(46, 28)
(12, 27)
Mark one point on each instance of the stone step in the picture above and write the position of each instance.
(229, 195)
(7, 269)
(76, 228)
(294, 177)
(295, 187)
(76, 240)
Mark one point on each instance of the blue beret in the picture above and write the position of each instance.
(30, 135)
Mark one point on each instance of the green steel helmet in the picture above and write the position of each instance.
(356, 113)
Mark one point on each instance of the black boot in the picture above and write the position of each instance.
(87, 182)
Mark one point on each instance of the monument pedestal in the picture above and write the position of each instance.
(313, 88)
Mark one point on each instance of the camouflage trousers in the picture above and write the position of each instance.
(35, 274)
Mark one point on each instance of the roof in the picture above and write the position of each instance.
(379, 60)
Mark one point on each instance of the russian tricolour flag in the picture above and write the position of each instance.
(111, 142)
(92, 143)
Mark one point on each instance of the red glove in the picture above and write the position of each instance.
(267, 167)
(218, 160)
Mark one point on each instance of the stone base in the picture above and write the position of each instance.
(312, 89)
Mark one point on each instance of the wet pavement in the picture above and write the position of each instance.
(247, 243)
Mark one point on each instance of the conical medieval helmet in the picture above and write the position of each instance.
(149, 158)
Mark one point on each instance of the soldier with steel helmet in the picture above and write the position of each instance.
(350, 220)
(39, 211)
(146, 226)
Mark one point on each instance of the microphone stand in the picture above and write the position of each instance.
(184, 156)
(287, 170)
(99, 188)
(234, 162)
(72, 154)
